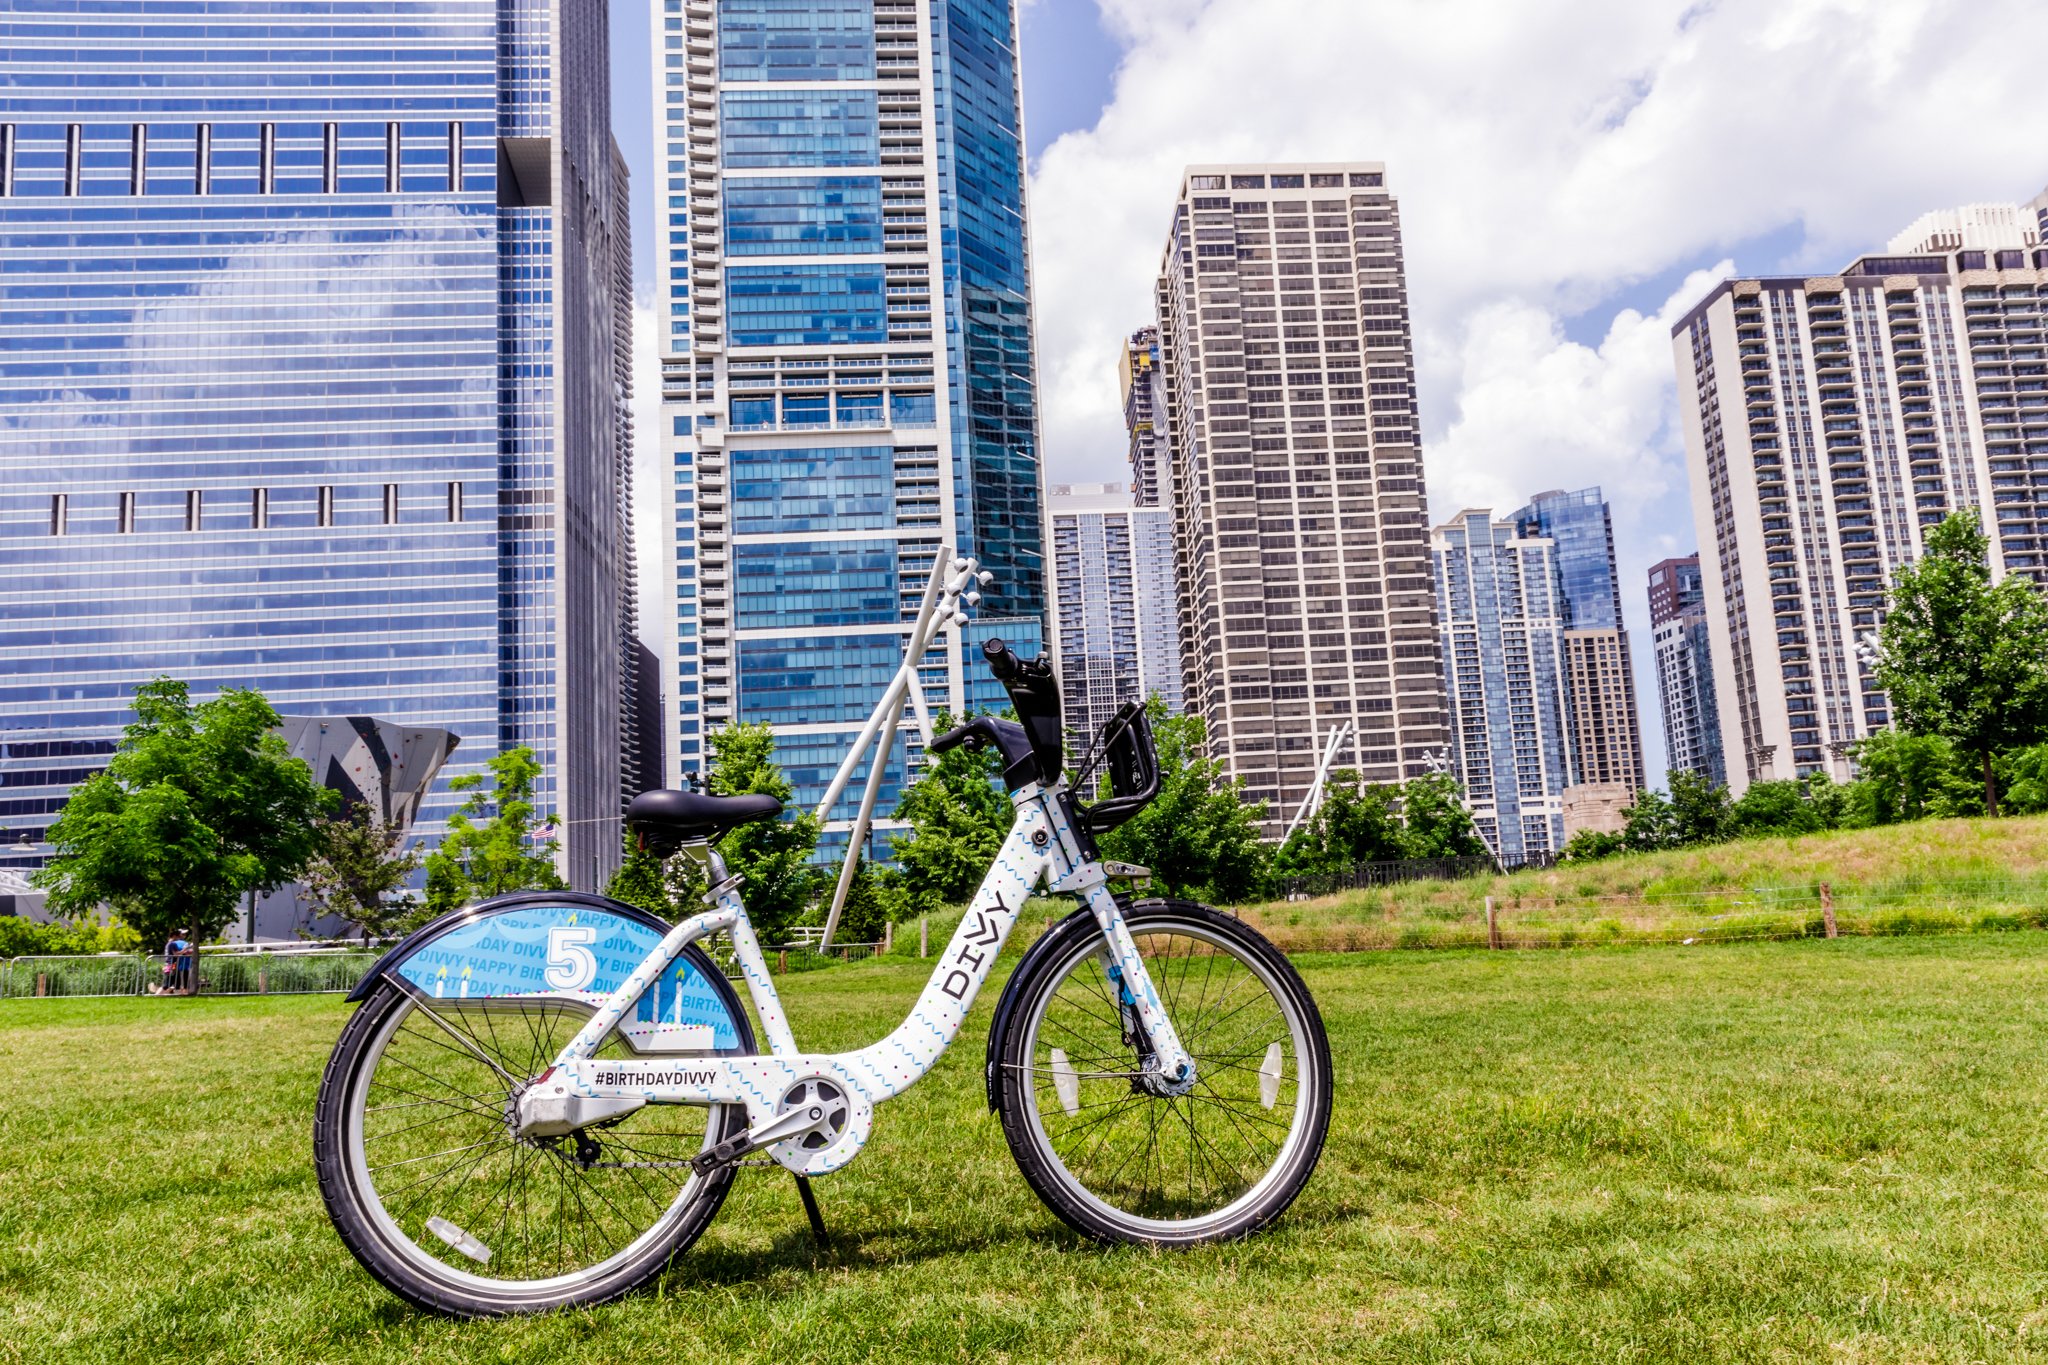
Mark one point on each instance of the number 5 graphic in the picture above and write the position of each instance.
(571, 965)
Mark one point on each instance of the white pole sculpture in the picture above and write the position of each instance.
(1314, 800)
(950, 591)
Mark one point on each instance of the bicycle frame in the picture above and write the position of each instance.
(1041, 848)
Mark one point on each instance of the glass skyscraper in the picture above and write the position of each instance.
(1606, 736)
(1501, 604)
(848, 374)
(311, 315)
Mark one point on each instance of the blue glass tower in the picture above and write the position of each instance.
(1607, 746)
(848, 360)
(310, 324)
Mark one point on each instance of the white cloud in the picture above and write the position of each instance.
(1551, 161)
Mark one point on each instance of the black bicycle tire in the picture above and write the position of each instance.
(1053, 1187)
(358, 1231)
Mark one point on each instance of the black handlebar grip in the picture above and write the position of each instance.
(1001, 660)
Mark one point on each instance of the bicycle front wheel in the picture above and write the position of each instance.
(440, 1199)
(1121, 1163)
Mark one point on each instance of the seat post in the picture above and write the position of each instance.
(705, 855)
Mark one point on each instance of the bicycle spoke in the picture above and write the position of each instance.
(1166, 1157)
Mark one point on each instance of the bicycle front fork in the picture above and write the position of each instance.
(1167, 1067)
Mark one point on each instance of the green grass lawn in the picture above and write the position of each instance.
(1792, 1151)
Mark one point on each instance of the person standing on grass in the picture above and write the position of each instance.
(181, 953)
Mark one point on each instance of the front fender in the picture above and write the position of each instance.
(508, 950)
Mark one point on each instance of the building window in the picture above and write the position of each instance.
(259, 509)
(60, 514)
(326, 511)
(124, 514)
(390, 504)
(193, 501)
(455, 502)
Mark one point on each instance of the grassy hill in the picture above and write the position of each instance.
(1930, 877)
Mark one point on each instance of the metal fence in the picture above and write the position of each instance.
(1406, 870)
(1384, 874)
(314, 969)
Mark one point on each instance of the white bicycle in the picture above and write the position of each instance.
(544, 1099)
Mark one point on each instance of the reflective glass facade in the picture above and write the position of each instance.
(1606, 736)
(1502, 616)
(848, 368)
(298, 392)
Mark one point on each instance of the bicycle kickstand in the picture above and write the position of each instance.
(818, 1233)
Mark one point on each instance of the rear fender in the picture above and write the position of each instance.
(567, 946)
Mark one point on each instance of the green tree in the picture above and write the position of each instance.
(1199, 835)
(1961, 657)
(490, 849)
(772, 857)
(1779, 807)
(648, 881)
(867, 908)
(1354, 824)
(1701, 812)
(357, 866)
(1650, 824)
(1589, 845)
(198, 806)
(1436, 822)
(2024, 779)
(1904, 777)
(958, 816)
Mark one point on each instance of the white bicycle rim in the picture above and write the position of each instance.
(1286, 1151)
(387, 1229)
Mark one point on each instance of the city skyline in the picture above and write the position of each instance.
(1547, 268)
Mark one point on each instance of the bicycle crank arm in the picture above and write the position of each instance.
(796, 1123)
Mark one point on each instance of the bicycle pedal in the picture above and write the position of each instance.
(726, 1153)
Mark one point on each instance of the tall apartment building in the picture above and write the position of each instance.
(847, 371)
(1149, 453)
(1605, 732)
(1828, 422)
(1501, 604)
(1119, 630)
(314, 352)
(1295, 474)
(1685, 669)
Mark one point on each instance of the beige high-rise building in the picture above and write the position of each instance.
(1295, 477)
(1829, 421)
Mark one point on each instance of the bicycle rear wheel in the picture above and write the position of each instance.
(1121, 1163)
(443, 1203)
